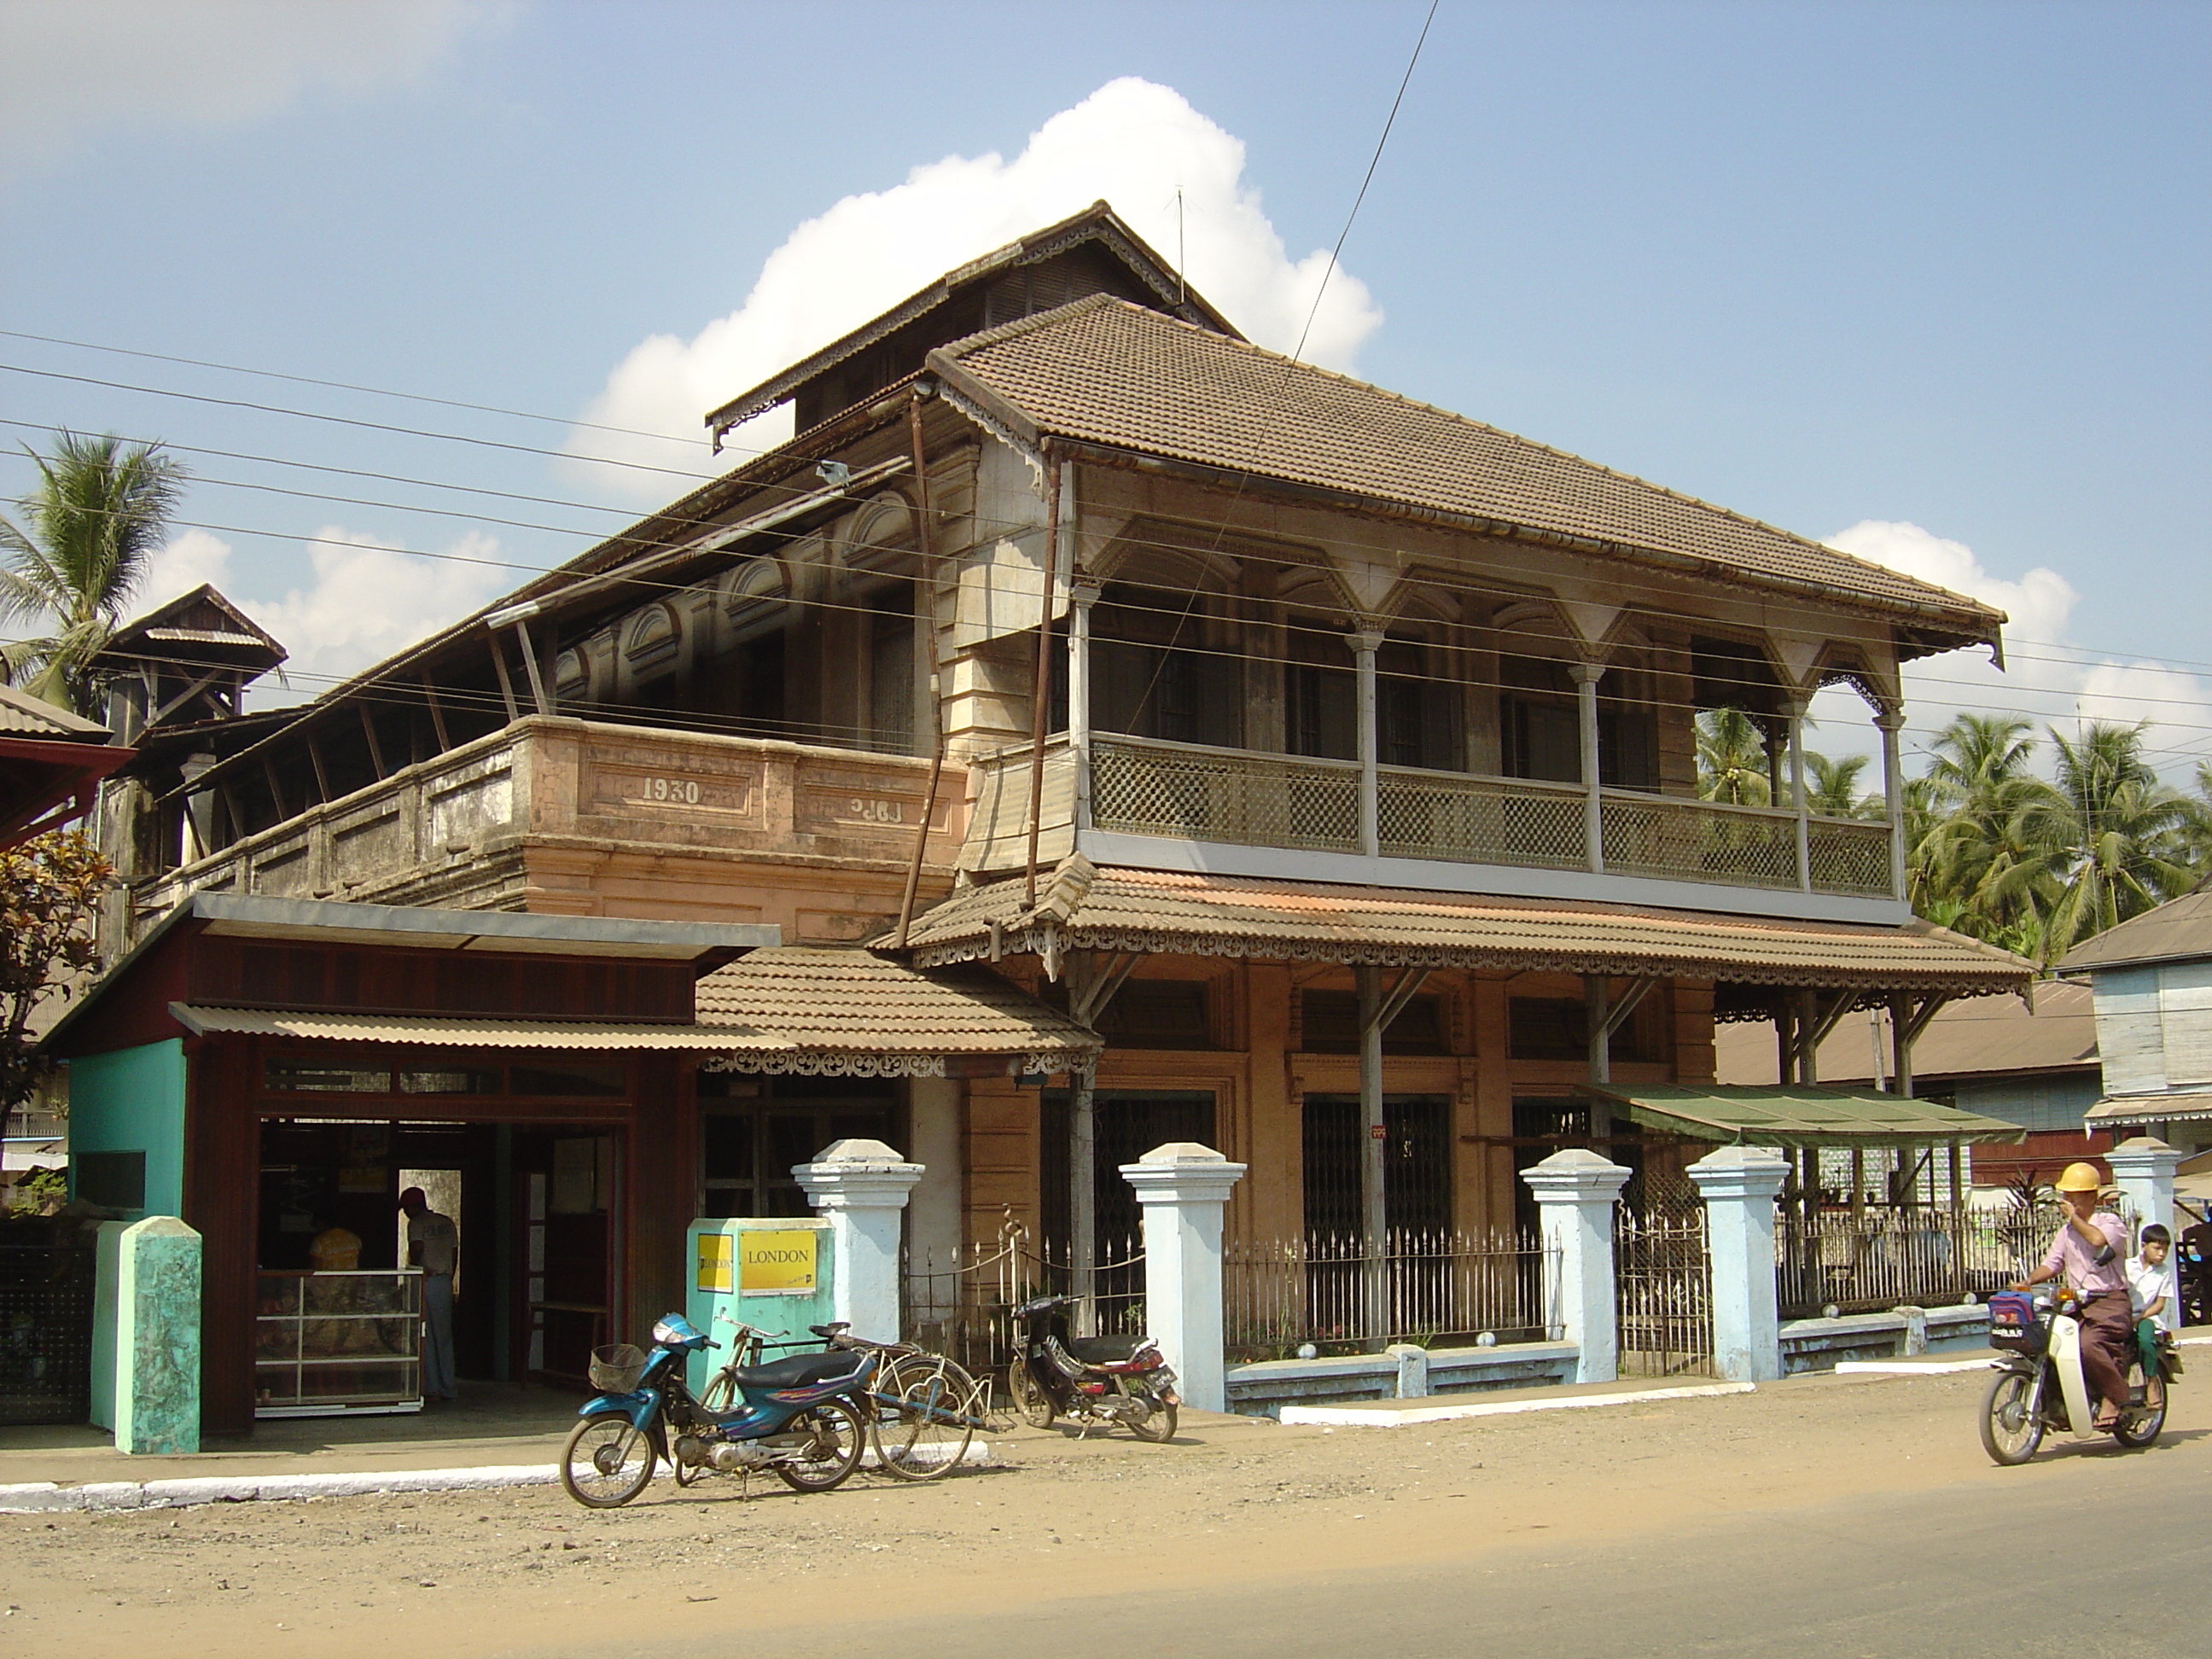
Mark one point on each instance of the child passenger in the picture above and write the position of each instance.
(2151, 1287)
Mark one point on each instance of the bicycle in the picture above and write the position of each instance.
(926, 1404)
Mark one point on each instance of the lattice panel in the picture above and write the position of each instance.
(1696, 841)
(1480, 821)
(1850, 858)
(1254, 800)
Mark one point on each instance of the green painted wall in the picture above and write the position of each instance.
(133, 1101)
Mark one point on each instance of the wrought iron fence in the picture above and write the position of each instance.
(1881, 1258)
(1663, 1293)
(45, 1324)
(963, 1305)
(1435, 1288)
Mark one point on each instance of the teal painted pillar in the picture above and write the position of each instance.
(157, 1337)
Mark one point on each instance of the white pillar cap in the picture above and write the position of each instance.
(1182, 1172)
(857, 1175)
(1741, 1172)
(2143, 1152)
(1574, 1175)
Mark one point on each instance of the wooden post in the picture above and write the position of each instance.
(1374, 1217)
(1797, 797)
(375, 749)
(1891, 722)
(437, 713)
(1586, 675)
(1041, 681)
(1364, 647)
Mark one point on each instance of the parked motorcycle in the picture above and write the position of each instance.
(2040, 1386)
(804, 1417)
(1089, 1379)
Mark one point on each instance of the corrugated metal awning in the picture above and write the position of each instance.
(1799, 1115)
(2150, 1108)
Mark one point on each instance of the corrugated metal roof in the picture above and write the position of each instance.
(1083, 907)
(25, 716)
(1106, 372)
(1802, 1116)
(1983, 1036)
(2179, 930)
(790, 1003)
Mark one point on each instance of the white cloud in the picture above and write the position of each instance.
(72, 68)
(364, 601)
(1133, 143)
(186, 562)
(2047, 679)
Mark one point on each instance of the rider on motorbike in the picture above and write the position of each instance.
(2091, 1251)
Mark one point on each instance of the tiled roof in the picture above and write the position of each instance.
(833, 999)
(2177, 930)
(1082, 907)
(1105, 371)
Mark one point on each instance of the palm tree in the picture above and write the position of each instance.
(1732, 759)
(99, 510)
(2108, 836)
(1831, 788)
(1976, 859)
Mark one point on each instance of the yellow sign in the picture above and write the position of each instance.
(777, 1264)
(713, 1261)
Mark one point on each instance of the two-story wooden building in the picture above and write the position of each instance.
(1331, 754)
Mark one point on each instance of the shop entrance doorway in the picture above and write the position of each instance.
(535, 1285)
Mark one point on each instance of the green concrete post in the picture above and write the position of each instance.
(157, 1337)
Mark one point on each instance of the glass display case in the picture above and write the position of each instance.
(328, 1344)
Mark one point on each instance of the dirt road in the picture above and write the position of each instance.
(1232, 1506)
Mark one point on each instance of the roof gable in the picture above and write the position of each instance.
(189, 627)
(1119, 376)
(962, 302)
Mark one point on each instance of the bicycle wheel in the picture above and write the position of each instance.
(607, 1461)
(925, 1434)
(834, 1436)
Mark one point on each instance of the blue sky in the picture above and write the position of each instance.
(1934, 265)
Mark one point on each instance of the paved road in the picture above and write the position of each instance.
(1949, 1573)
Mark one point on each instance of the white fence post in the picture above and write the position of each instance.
(1576, 1190)
(862, 1186)
(1181, 1187)
(2142, 1169)
(1739, 1185)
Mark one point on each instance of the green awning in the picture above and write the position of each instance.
(1796, 1116)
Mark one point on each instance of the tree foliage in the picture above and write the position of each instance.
(1997, 849)
(48, 888)
(74, 555)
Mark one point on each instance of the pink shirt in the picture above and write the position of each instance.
(2073, 1257)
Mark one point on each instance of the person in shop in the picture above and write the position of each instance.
(434, 1244)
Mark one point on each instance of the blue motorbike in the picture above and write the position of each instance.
(804, 1417)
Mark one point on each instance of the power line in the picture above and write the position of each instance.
(1373, 161)
(372, 391)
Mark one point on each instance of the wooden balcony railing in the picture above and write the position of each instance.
(1141, 787)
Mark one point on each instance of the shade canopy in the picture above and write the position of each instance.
(1795, 1115)
(2126, 1110)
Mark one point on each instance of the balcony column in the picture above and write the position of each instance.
(1586, 675)
(1798, 805)
(1890, 722)
(1080, 599)
(1364, 647)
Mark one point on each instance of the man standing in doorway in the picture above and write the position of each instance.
(434, 1244)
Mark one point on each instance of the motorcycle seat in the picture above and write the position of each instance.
(798, 1371)
(1105, 1350)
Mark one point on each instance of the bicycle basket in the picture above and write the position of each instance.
(617, 1369)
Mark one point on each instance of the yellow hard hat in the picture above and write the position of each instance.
(2080, 1178)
